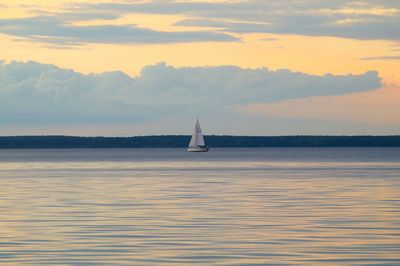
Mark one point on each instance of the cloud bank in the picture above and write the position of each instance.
(34, 93)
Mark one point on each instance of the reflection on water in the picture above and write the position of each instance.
(226, 207)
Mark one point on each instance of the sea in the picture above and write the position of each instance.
(229, 206)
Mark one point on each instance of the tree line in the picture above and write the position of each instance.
(180, 141)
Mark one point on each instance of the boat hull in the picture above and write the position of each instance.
(197, 149)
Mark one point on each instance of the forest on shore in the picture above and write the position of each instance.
(180, 141)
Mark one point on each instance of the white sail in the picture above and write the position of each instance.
(197, 136)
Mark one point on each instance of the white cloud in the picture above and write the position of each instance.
(34, 93)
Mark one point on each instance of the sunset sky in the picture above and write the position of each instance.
(247, 67)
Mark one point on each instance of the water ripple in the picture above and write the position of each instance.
(215, 211)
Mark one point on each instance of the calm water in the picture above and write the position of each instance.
(226, 207)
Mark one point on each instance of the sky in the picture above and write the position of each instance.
(243, 67)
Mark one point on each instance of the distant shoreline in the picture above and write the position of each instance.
(181, 141)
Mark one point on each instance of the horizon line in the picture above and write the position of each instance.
(205, 135)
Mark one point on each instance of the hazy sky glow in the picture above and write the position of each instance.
(250, 67)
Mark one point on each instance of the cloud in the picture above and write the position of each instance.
(58, 30)
(366, 20)
(374, 58)
(370, 19)
(34, 93)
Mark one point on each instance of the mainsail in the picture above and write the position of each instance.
(197, 139)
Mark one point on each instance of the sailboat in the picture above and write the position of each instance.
(197, 141)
